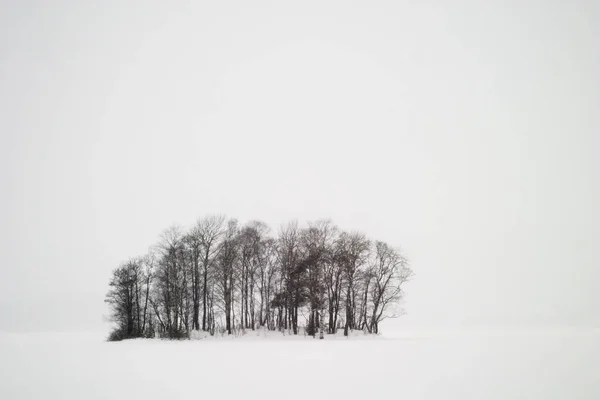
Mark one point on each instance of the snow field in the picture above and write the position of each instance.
(469, 365)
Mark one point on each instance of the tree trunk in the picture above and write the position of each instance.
(321, 336)
(204, 291)
(252, 311)
(146, 303)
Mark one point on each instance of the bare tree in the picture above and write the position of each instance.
(389, 271)
(193, 246)
(127, 298)
(267, 271)
(208, 230)
(333, 276)
(252, 239)
(293, 295)
(316, 247)
(172, 280)
(148, 263)
(353, 253)
(227, 259)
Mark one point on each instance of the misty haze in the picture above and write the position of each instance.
(359, 200)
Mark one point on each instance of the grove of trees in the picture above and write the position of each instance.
(220, 277)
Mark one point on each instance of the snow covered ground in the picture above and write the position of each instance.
(500, 364)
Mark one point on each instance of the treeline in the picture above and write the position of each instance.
(219, 276)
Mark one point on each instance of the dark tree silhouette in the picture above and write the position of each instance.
(240, 278)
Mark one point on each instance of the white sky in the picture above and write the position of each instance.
(465, 132)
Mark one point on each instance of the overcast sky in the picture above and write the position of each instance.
(465, 132)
